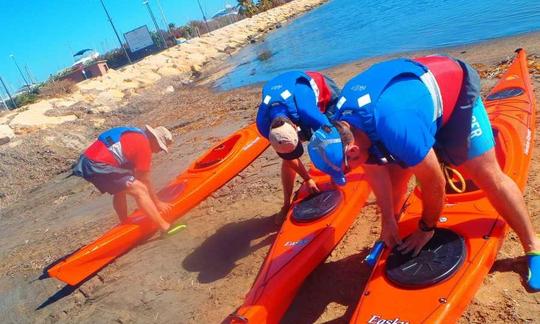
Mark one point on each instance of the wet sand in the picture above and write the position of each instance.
(203, 273)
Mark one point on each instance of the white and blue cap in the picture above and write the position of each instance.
(326, 152)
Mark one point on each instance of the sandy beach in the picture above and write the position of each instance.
(202, 274)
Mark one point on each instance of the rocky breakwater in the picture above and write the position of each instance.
(184, 62)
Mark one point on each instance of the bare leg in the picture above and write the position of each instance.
(120, 205)
(400, 179)
(504, 195)
(139, 191)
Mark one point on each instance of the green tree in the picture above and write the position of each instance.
(247, 7)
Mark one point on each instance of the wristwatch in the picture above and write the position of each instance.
(424, 227)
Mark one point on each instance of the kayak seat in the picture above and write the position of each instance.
(172, 192)
(218, 154)
(438, 260)
(316, 206)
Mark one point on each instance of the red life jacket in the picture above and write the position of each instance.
(449, 76)
(324, 94)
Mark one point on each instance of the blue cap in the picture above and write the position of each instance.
(326, 152)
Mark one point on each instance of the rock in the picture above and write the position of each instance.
(156, 60)
(109, 97)
(6, 134)
(64, 103)
(7, 116)
(34, 117)
(167, 71)
(196, 70)
(169, 89)
(98, 123)
(99, 109)
(147, 78)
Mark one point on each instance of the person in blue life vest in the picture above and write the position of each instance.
(119, 163)
(293, 105)
(393, 118)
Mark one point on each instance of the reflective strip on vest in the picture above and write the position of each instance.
(431, 84)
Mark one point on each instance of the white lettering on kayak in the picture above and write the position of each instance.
(376, 319)
(528, 141)
(296, 243)
(250, 144)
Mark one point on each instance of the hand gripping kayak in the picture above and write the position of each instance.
(421, 290)
(208, 173)
(313, 227)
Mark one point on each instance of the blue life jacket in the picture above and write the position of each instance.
(360, 96)
(111, 139)
(278, 95)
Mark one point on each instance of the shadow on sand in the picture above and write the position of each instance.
(339, 282)
(517, 265)
(217, 256)
(65, 291)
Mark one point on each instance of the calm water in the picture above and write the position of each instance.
(342, 31)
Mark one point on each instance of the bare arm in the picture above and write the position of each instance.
(144, 177)
(299, 167)
(431, 179)
(379, 179)
(381, 184)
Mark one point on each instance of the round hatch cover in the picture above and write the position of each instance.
(506, 93)
(437, 261)
(316, 206)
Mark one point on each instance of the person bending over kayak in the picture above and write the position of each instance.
(119, 163)
(293, 105)
(398, 118)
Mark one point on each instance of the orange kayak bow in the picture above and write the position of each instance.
(312, 229)
(394, 293)
(207, 174)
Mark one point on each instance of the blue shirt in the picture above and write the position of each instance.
(404, 120)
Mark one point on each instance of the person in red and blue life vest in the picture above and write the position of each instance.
(119, 163)
(293, 105)
(397, 119)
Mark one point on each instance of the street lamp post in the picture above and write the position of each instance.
(165, 21)
(155, 23)
(115, 32)
(204, 17)
(20, 71)
(7, 91)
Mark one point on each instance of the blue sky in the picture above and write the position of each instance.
(43, 34)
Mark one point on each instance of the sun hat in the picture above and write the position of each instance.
(162, 135)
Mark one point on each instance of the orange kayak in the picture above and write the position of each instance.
(473, 230)
(312, 229)
(207, 174)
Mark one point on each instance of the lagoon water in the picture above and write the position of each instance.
(342, 31)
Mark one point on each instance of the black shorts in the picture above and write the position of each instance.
(105, 177)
